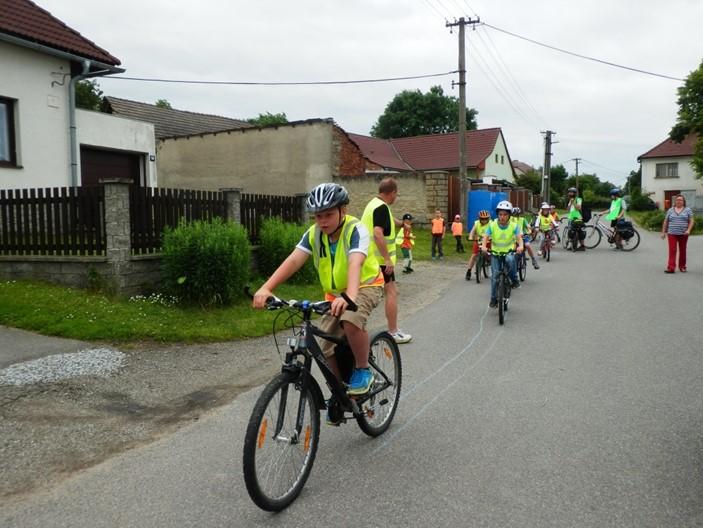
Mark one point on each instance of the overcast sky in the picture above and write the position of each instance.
(607, 116)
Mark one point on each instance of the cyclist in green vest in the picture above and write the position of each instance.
(339, 245)
(576, 229)
(615, 213)
(505, 236)
(381, 224)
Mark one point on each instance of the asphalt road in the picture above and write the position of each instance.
(585, 409)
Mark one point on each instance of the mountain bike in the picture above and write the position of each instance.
(503, 286)
(282, 436)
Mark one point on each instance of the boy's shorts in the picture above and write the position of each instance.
(367, 300)
(405, 252)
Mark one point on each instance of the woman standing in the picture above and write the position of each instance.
(678, 223)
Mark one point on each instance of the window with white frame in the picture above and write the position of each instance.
(7, 132)
(667, 170)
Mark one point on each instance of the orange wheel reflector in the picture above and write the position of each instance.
(370, 413)
(388, 353)
(262, 433)
(308, 432)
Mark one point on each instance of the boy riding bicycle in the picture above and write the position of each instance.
(476, 235)
(504, 235)
(545, 224)
(526, 234)
(339, 245)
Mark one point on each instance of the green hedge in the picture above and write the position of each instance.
(277, 240)
(206, 263)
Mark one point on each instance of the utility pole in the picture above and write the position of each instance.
(577, 171)
(463, 183)
(547, 164)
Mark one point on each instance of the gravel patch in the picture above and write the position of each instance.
(100, 362)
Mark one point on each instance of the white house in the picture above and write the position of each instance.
(667, 171)
(44, 141)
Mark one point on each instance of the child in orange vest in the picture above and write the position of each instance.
(438, 228)
(406, 246)
(457, 231)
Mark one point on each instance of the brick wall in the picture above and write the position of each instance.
(347, 157)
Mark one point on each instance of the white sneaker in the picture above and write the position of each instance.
(401, 337)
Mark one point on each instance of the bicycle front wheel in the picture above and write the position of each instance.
(378, 411)
(522, 267)
(479, 266)
(593, 237)
(281, 442)
(500, 296)
(565, 237)
(631, 243)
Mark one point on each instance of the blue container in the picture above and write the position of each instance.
(480, 200)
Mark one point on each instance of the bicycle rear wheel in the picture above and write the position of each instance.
(281, 442)
(379, 410)
(593, 237)
(632, 243)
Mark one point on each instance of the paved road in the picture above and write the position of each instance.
(585, 409)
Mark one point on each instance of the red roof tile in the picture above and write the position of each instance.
(28, 21)
(670, 149)
(380, 151)
(431, 152)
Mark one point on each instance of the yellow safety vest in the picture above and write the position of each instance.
(333, 273)
(367, 220)
(545, 222)
(502, 239)
(480, 228)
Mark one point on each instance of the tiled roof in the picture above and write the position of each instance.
(379, 151)
(670, 149)
(26, 20)
(522, 166)
(169, 122)
(432, 152)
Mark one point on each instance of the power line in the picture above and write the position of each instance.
(427, 2)
(586, 57)
(284, 83)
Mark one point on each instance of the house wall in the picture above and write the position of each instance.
(686, 182)
(41, 117)
(502, 168)
(106, 131)
(282, 160)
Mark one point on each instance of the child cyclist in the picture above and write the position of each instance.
(339, 244)
(505, 236)
(476, 235)
(526, 234)
(545, 223)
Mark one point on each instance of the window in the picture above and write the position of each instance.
(667, 170)
(7, 132)
(496, 158)
(502, 159)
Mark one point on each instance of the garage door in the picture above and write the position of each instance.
(100, 164)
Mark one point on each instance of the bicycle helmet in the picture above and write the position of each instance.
(484, 214)
(545, 205)
(572, 190)
(326, 196)
(516, 210)
(407, 216)
(505, 205)
(615, 191)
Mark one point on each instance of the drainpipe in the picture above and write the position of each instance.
(73, 140)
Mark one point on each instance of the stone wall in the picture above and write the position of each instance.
(437, 190)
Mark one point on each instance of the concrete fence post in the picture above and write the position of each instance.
(233, 198)
(118, 229)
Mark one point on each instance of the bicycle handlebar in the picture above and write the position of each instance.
(320, 307)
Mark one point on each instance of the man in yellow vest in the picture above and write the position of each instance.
(339, 245)
(381, 223)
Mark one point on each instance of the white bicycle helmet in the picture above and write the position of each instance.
(505, 205)
(326, 196)
(545, 205)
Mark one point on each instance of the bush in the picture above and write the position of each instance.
(640, 202)
(653, 220)
(277, 240)
(206, 263)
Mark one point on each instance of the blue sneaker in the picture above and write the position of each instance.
(360, 382)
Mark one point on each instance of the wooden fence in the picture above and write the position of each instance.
(153, 209)
(255, 208)
(55, 221)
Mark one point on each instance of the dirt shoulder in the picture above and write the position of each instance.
(49, 431)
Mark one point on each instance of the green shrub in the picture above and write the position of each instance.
(206, 263)
(652, 220)
(276, 240)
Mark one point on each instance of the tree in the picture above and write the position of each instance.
(690, 116)
(412, 113)
(162, 103)
(531, 180)
(89, 96)
(269, 119)
(557, 180)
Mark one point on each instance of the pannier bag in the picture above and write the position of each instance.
(625, 229)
